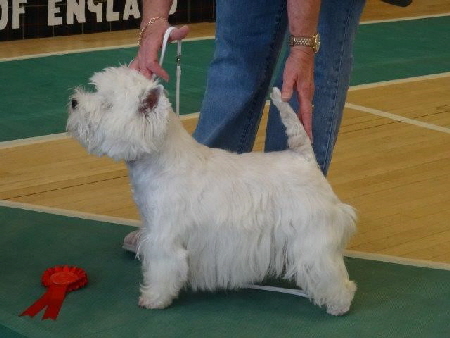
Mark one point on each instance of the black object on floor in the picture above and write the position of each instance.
(400, 3)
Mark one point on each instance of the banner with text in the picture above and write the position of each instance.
(22, 19)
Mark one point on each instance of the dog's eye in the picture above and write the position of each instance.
(74, 104)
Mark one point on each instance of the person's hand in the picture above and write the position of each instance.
(299, 75)
(146, 61)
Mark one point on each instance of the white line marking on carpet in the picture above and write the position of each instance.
(86, 50)
(70, 213)
(405, 18)
(397, 260)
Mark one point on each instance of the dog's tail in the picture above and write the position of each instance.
(298, 140)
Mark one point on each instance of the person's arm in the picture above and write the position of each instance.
(298, 73)
(153, 8)
(146, 60)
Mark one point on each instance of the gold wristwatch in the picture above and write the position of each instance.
(313, 42)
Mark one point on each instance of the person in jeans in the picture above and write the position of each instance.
(250, 36)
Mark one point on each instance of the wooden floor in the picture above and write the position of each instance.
(392, 159)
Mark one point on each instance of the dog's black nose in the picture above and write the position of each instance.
(74, 103)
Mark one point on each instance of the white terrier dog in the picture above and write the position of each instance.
(213, 219)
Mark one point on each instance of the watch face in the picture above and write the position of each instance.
(316, 42)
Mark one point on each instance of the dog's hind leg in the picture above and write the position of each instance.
(165, 270)
(318, 268)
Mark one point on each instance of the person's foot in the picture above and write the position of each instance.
(130, 242)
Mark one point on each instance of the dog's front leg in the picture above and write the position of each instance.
(165, 270)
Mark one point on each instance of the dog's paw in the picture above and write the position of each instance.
(150, 303)
(337, 311)
(342, 304)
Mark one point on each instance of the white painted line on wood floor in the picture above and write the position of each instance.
(398, 118)
(399, 81)
(136, 223)
(33, 140)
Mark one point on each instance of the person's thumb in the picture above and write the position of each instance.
(179, 33)
(134, 64)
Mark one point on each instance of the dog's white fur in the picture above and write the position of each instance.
(214, 219)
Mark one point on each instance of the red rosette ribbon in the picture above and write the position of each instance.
(59, 280)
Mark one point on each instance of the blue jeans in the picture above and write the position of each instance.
(249, 38)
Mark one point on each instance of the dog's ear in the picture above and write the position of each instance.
(150, 100)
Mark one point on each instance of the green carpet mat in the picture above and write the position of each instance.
(34, 92)
(392, 301)
(397, 50)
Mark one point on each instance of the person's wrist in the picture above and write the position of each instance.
(146, 25)
(302, 50)
(154, 19)
(306, 41)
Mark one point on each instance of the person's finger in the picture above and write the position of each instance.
(155, 68)
(148, 54)
(151, 60)
(134, 64)
(287, 88)
(146, 73)
(179, 33)
(306, 109)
